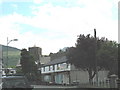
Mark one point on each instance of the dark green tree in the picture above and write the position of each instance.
(107, 55)
(89, 49)
(29, 68)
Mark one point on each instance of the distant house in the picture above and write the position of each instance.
(61, 72)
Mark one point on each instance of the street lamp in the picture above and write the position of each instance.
(8, 41)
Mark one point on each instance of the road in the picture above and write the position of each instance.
(57, 86)
(44, 87)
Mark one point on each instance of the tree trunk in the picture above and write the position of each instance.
(91, 75)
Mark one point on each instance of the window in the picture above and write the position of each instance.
(49, 68)
(67, 65)
(57, 66)
(53, 67)
(44, 69)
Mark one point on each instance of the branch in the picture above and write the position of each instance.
(95, 72)
(99, 69)
(93, 75)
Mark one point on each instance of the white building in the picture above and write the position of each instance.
(60, 72)
(56, 71)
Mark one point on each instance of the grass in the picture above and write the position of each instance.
(13, 58)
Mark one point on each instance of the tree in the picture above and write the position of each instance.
(107, 55)
(19, 71)
(84, 54)
(29, 67)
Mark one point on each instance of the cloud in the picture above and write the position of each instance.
(37, 1)
(75, 19)
(58, 18)
(62, 24)
(11, 28)
(14, 5)
(16, 1)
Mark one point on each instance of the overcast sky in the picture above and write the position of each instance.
(55, 24)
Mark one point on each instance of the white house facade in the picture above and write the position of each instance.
(61, 72)
(56, 71)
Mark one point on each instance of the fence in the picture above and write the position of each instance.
(111, 82)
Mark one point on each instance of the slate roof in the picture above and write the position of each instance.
(56, 61)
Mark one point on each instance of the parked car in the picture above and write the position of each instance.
(75, 83)
(19, 82)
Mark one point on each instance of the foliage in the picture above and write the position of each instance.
(19, 70)
(90, 52)
(29, 67)
(107, 55)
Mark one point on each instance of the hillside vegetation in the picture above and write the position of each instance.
(13, 56)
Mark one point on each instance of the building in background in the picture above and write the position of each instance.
(44, 59)
(40, 59)
(36, 52)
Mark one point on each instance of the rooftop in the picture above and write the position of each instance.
(56, 61)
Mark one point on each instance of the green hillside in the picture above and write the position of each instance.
(13, 56)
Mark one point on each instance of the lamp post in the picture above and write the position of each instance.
(8, 41)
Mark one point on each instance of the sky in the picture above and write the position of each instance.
(55, 24)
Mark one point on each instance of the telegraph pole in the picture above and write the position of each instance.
(95, 57)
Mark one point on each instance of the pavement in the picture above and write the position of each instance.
(81, 87)
(53, 86)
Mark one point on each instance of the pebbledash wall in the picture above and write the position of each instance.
(82, 76)
(60, 72)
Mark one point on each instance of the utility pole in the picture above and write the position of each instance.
(95, 57)
(7, 54)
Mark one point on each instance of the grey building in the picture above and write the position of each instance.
(36, 52)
